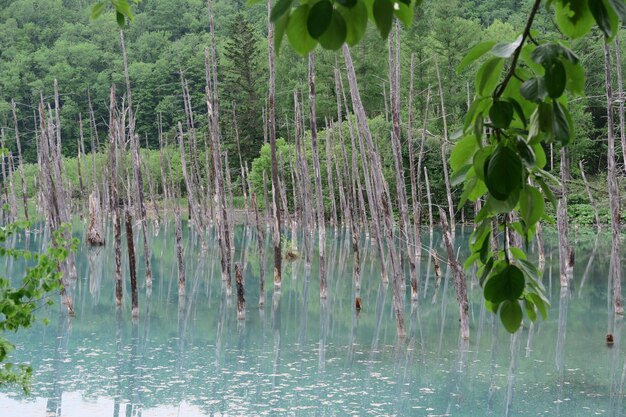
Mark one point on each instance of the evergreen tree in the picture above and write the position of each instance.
(240, 85)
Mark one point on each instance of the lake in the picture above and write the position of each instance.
(299, 356)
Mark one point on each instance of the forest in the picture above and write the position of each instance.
(456, 153)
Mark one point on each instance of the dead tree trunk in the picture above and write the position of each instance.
(613, 185)
(459, 278)
(132, 264)
(21, 164)
(592, 200)
(95, 234)
(405, 225)
(79, 162)
(321, 224)
(179, 251)
(113, 169)
(272, 135)
(259, 237)
(565, 250)
(329, 178)
(381, 192)
(444, 157)
(140, 206)
(241, 300)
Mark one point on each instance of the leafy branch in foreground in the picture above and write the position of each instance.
(500, 153)
(18, 304)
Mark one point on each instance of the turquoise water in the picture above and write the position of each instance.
(298, 356)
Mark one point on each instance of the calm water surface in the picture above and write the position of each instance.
(300, 356)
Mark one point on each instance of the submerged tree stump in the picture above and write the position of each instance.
(241, 301)
(95, 234)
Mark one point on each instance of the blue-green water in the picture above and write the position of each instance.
(298, 356)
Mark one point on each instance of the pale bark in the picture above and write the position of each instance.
(272, 135)
(19, 155)
(460, 285)
(381, 191)
(444, 156)
(321, 225)
(592, 200)
(616, 272)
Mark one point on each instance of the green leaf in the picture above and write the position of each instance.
(383, 16)
(488, 75)
(480, 158)
(525, 151)
(540, 155)
(547, 191)
(532, 205)
(347, 3)
(555, 78)
(462, 152)
(501, 114)
(561, 125)
(506, 285)
(540, 304)
(548, 52)
(575, 77)
(518, 110)
(529, 306)
(280, 26)
(506, 50)
(319, 18)
(620, 8)
(356, 22)
(545, 117)
(503, 174)
(534, 89)
(573, 17)
(473, 54)
(335, 34)
(601, 16)
(404, 12)
(120, 19)
(280, 8)
(97, 10)
(511, 315)
(297, 32)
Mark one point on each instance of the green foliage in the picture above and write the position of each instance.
(18, 304)
(525, 108)
(334, 22)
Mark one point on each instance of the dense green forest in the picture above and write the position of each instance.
(45, 40)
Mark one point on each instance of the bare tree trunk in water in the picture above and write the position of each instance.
(113, 134)
(272, 133)
(459, 278)
(613, 185)
(179, 251)
(95, 234)
(321, 224)
(444, 158)
(405, 224)
(430, 203)
(241, 300)
(131, 264)
(565, 250)
(259, 237)
(140, 206)
(381, 191)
